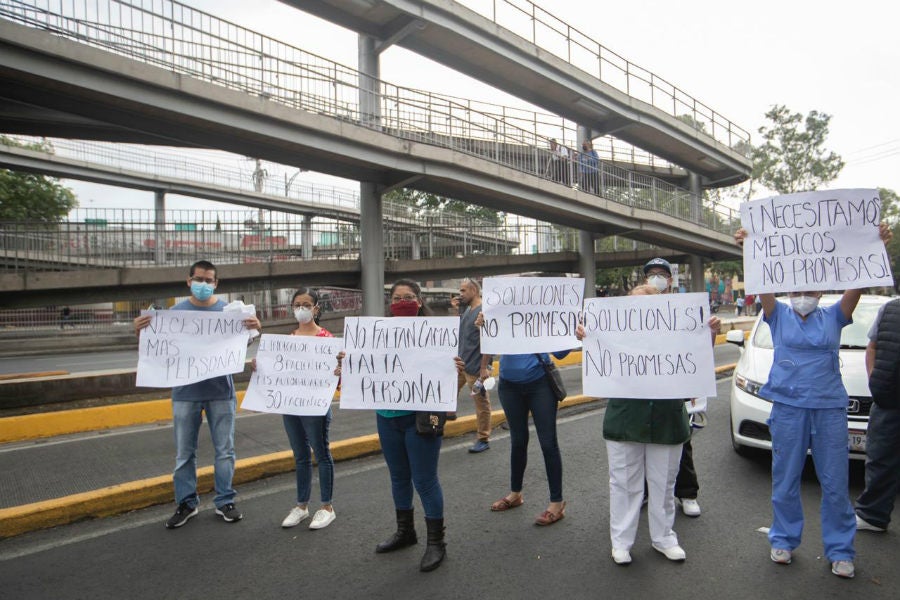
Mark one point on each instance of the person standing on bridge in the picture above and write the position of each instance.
(809, 413)
(216, 398)
(470, 353)
(589, 167)
(412, 458)
(659, 274)
(310, 432)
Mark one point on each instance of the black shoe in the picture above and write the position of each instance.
(480, 446)
(229, 512)
(436, 549)
(404, 536)
(182, 514)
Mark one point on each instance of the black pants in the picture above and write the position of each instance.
(686, 484)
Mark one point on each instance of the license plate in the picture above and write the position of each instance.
(857, 441)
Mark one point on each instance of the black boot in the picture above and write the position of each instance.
(436, 549)
(403, 537)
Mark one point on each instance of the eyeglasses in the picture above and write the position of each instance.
(203, 280)
(307, 306)
(407, 297)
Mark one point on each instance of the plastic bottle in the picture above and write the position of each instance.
(478, 388)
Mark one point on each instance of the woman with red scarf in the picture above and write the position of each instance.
(412, 459)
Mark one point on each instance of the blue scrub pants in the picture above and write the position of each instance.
(794, 431)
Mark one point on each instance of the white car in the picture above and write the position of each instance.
(750, 411)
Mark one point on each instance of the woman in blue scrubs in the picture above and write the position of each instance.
(809, 413)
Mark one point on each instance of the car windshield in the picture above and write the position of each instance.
(855, 335)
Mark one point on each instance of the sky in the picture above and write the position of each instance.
(739, 58)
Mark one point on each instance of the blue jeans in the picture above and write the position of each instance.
(536, 397)
(186, 417)
(882, 467)
(412, 460)
(824, 431)
(303, 433)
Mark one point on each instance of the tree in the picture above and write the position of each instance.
(890, 212)
(30, 197)
(420, 203)
(793, 158)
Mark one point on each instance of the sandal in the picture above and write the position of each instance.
(505, 503)
(549, 518)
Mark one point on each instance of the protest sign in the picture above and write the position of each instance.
(294, 375)
(400, 363)
(655, 346)
(180, 347)
(813, 241)
(523, 315)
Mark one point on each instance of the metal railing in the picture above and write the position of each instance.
(176, 37)
(538, 26)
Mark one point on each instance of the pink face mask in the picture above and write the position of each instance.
(405, 308)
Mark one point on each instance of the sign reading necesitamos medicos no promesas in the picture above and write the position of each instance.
(814, 241)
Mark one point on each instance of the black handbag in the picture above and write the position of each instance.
(554, 377)
(430, 423)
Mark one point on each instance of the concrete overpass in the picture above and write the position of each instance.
(45, 72)
(576, 86)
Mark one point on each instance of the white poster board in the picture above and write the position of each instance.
(180, 347)
(524, 315)
(294, 375)
(400, 363)
(655, 346)
(813, 241)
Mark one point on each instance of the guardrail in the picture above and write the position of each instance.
(171, 35)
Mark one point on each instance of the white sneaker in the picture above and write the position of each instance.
(621, 557)
(863, 525)
(843, 568)
(322, 519)
(690, 507)
(675, 552)
(294, 517)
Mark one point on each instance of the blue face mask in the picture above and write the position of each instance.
(202, 291)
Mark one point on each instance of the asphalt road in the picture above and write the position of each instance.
(490, 555)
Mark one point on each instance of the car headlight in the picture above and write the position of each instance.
(748, 385)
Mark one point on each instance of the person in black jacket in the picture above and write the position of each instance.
(875, 504)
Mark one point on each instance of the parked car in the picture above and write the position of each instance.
(750, 411)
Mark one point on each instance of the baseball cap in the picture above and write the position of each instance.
(660, 263)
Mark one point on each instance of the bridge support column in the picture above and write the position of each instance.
(415, 246)
(587, 263)
(306, 237)
(159, 227)
(696, 197)
(697, 283)
(371, 249)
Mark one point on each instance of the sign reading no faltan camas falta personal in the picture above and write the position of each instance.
(814, 241)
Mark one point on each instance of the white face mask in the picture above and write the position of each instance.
(659, 282)
(804, 304)
(303, 315)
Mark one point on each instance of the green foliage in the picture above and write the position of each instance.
(727, 268)
(890, 205)
(793, 159)
(421, 203)
(29, 197)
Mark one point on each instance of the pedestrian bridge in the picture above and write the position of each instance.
(132, 74)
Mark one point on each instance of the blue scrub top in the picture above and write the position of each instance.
(806, 370)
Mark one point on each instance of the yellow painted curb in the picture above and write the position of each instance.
(9, 376)
(139, 494)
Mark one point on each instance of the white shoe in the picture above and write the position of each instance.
(675, 552)
(690, 507)
(322, 519)
(863, 525)
(294, 517)
(621, 557)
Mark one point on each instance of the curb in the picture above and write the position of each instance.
(134, 495)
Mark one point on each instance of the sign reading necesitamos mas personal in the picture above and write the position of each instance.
(180, 347)
(655, 346)
(524, 315)
(294, 375)
(813, 241)
(400, 363)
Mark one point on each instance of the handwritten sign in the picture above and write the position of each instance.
(523, 315)
(814, 241)
(180, 347)
(655, 346)
(401, 363)
(294, 375)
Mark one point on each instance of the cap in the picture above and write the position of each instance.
(659, 263)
